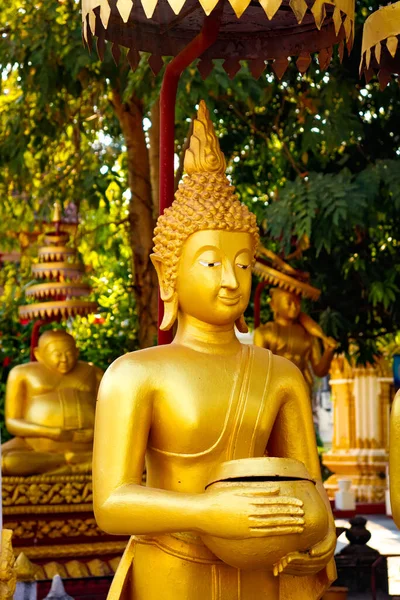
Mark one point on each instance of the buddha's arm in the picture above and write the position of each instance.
(293, 434)
(123, 421)
(16, 396)
(321, 363)
(394, 459)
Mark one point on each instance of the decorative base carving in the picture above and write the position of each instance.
(52, 520)
(47, 494)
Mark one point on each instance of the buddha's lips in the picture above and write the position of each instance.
(230, 299)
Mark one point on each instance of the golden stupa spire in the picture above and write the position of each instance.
(204, 154)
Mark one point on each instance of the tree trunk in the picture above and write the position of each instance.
(154, 155)
(141, 218)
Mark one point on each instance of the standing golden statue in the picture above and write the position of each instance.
(394, 464)
(292, 333)
(209, 412)
(50, 407)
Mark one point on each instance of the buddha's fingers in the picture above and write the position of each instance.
(273, 491)
(267, 532)
(281, 500)
(272, 521)
(304, 569)
(277, 509)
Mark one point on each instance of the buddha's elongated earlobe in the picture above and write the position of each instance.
(241, 324)
(170, 312)
(168, 295)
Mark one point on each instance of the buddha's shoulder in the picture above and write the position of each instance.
(274, 361)
(141, 362)
(26, 370)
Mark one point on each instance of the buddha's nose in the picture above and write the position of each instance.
(229, 279)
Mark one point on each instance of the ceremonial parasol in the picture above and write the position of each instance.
(275, 272)
(258, 31)
(380, 45)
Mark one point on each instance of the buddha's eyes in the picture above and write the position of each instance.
(207, 263)
(244, 267)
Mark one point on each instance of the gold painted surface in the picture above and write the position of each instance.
(63, 294)
(55, 529)
(25, 570)
(360, 443)
(394, 462)
(341, 7)
(50, 407)
(295, 336)
(72, 569)
(8, 578)
(321, 25)
(285, 282)
(187, 407)
(52, 309)
(94, 549)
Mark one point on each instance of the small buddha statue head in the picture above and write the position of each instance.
(57, 351)
(205, 243)
(285, 304)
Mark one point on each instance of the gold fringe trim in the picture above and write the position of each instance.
(72, 550)
(381, 28)
(285, 282)
(62, 269)
(64, 309)
(343, 8)
(50, 290)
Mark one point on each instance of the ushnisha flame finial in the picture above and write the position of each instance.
(204, 154)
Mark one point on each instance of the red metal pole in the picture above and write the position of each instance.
(174, 70)
(257, 303)
(35, 337)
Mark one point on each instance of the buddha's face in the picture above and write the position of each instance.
(60, 355)
(214, 276)
(286, 305)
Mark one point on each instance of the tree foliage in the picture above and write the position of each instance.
(313, 156)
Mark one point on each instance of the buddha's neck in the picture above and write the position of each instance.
(203, 337)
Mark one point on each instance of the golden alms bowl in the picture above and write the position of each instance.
(265, 474)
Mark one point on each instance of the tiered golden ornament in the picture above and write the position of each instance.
(63, 294)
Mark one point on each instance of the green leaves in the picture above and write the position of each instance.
(319, 206)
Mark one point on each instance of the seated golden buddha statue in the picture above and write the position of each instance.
(50, 407)
(190, 407)
(296, 336)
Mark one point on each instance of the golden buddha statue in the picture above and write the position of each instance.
(50, 407)
(394, 453)
(202, 403)
(296, 336)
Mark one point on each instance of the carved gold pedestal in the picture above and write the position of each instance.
(360, 446)
(52, 521)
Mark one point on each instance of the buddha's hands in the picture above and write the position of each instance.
(311, 562)
(330, 343)
(59, 435)
(238, 514)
